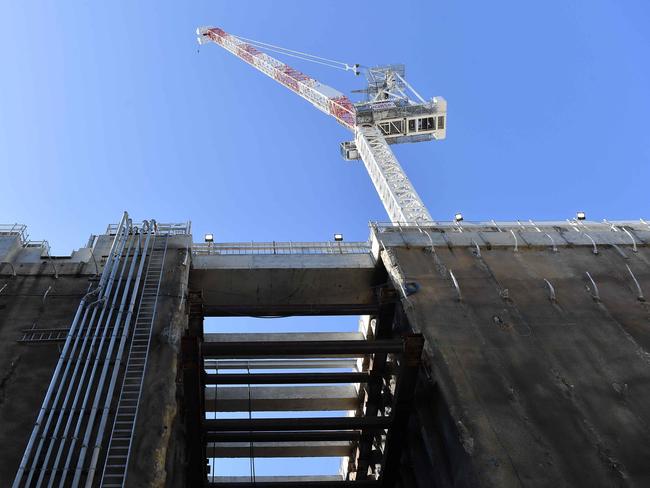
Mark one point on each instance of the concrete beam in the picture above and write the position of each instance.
(335, 284)
(281, 399)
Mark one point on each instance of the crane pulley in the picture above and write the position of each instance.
(392, 113)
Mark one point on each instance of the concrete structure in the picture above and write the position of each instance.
(535, 369)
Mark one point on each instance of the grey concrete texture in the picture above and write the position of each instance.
(534, 392)
(26, 369)
(262, 283)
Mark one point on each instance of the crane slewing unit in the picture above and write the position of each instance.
(392, 113)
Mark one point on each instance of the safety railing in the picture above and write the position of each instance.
(167, 229)
(234, 248)
(14, 230)
(44, 245)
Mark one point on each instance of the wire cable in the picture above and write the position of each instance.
(331, 63)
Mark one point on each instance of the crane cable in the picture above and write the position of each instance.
(332, 63)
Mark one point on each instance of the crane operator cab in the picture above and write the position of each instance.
(400, 117)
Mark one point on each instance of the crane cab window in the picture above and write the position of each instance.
(423, 124)
(426, 124)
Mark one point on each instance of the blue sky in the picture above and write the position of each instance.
(107, 106)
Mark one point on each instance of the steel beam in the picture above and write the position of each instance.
(297, 483)
(284, 378)
(278, 449)
(297, 424)
(281, 398)
(242, 350)
(221, 364)
(283, 336)
(288, 436)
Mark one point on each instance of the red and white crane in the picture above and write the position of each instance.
(393, 112)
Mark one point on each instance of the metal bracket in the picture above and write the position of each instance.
(552, 242)
(515, 237)
(455, 282)
(631, 237)
(593, 291)
(595, 248)
(551, 291)
(640, 296)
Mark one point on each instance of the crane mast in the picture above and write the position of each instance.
(392, 113)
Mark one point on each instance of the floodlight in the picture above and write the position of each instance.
(458, 217)
(209, 238)
(581, 216)
(338, 237)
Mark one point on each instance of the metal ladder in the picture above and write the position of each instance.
(119, 446)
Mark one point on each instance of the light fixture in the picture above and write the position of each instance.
(338, 237)
(581, 216)
(209, 238)
(458, 217)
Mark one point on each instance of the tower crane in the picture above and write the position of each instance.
(392, 113)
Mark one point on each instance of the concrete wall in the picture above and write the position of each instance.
(525, 390)
(26, 369)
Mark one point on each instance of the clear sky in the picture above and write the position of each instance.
(108, 106)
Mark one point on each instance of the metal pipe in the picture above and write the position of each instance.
(98, 390)
(113, 379)
(85, 351)
(55, 377)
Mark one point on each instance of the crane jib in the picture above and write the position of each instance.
(339, 106)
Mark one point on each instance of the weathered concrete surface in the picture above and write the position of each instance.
(26, 369)
(273, 284)
(157, 446)
(528, 391)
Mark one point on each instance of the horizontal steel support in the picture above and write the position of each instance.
(301, 348)
(283, 336)
(279, 449)
(307, 484)
(286, 436)
(221, 364)
(288, 310)
(281, 398)
(296, 424)
(285, 378)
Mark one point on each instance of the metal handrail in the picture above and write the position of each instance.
(169, 229)
(244, 248)
(14, 229)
